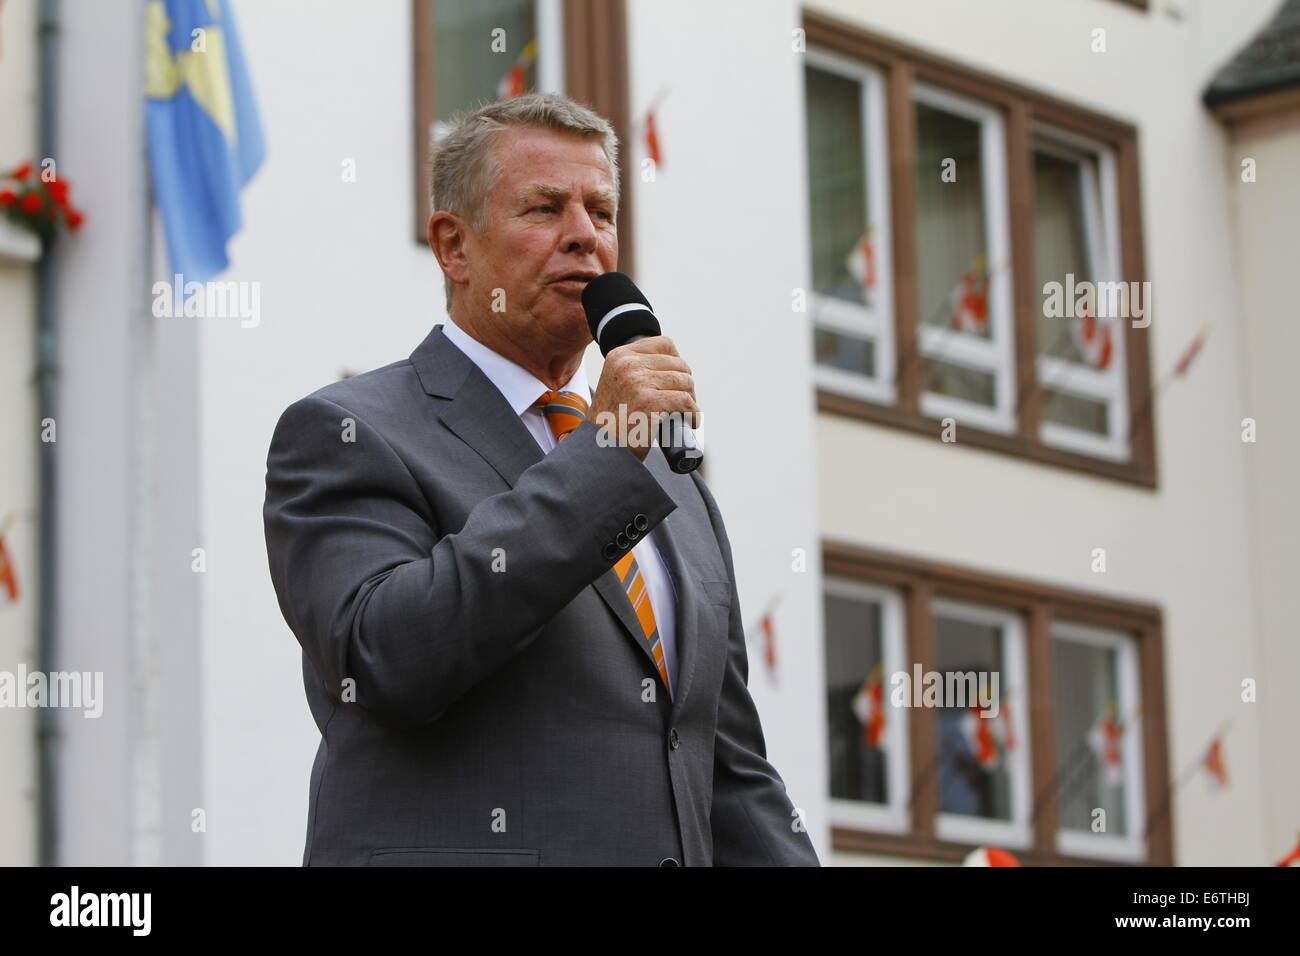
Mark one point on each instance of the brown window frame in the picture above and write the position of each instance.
(1022, 109)
(595, 73)
(920, 581)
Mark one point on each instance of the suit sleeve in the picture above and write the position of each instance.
(753, 820)
(376, 593)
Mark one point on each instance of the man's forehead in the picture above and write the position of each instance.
(519, 152)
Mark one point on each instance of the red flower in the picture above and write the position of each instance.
(37, 203)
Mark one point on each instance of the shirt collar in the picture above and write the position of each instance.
(518, 385)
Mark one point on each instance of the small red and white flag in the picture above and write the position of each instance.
(1105, 739)
(1094, 338)
(769, 642)
(1292, 858)
(1213, 762)
(8, 573)
(969, 300)
(652, 147)
(981, 737)
(515, 82)
(990, 856)
(1190, 353)
(861, 263)
(869, 707)
(1008, 726)
(766, 627)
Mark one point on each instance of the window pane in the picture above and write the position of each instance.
(1089, 738)
(957, 381)
(1081, 413)
(851, 353)
(466, 70)
(854, 648)
(971, 782)
(951, 253)
(1060, 246)
(837, 189)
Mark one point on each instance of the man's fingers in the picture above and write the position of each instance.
(674, 380)
(648, 361)
(685, 407)
(674, 400)
(655, 344)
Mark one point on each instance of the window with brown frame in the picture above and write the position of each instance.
(976, 255)
(1053, 746)
(469, 53)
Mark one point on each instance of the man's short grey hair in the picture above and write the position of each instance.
(464, 167)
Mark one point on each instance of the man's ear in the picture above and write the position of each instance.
(447, 239)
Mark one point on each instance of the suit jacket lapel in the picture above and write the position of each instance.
(479, 415)
(686, 590)
(685, 541)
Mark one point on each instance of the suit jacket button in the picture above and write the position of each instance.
(610, 552)
(631, 532)
(621, 540)
(673, 740)
(669, 861)
(641, 522)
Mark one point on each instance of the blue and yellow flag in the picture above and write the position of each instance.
(205, 140)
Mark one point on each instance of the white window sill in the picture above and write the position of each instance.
(17, 244)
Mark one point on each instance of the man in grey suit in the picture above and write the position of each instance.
(521, 636)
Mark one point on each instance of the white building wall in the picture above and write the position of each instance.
(1267, 211)
(126, 488)
(18, 435)
(721, 247)
(1186, 546)
(342, 285)
(100, 284)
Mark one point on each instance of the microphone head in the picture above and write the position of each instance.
(617, 311)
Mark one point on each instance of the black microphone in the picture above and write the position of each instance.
(617, 313)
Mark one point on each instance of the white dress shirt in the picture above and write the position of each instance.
(521, 389)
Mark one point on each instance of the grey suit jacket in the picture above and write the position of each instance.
(470, 656)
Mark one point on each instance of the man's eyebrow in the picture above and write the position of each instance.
(544, 190)
(552, 192)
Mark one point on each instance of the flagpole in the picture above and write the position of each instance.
(1187, 354)
(1160, 811)
(914, 353)
(1032, 380)
(1064, 772)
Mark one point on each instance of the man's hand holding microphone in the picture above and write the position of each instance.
(646, 388)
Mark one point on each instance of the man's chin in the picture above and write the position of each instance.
(567, 323)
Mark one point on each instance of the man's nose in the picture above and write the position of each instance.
(579, 232)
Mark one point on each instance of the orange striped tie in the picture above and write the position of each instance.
(565, 411)
(629, 572)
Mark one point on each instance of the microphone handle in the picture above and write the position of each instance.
(677, 439)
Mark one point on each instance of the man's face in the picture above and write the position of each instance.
(549, 228)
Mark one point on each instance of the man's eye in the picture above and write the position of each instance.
(543, 209)
(605, 212)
